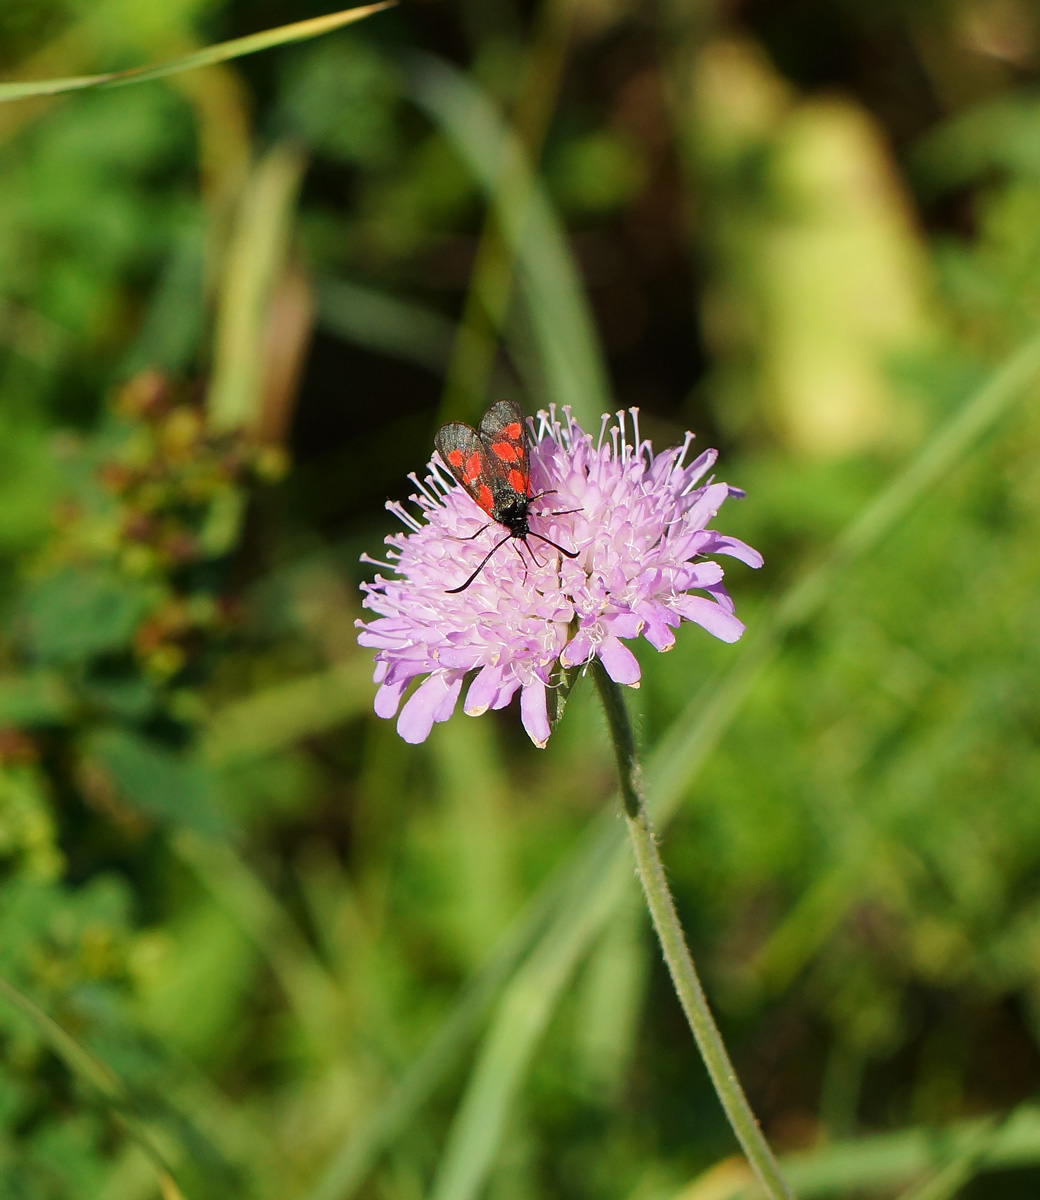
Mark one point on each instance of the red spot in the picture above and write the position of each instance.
(471, 470)
(455, 458)
(512, 431)
(485, 499)
(506, 451)
(516, 481)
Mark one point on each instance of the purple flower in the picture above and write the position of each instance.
(641, 528)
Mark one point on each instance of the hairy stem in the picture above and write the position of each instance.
(677, 953)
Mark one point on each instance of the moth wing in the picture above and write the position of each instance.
(499, 417)
(504, 435)
(466, 457)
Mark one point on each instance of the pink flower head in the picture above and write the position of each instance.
(640, 526)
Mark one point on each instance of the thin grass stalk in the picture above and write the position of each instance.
(298, 31)
(675, 949)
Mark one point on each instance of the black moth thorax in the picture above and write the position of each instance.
(513, 515)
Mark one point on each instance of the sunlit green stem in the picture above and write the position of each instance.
(677, 953)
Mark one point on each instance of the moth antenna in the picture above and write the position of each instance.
(483, 564)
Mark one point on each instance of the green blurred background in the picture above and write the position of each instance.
(251, 944)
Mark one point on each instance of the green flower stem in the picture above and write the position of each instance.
(677, 953)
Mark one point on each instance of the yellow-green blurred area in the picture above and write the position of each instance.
(253, 945)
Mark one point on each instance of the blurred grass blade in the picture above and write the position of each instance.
(298, 31)
(491, 287)
(386, 324)
(961, 1166)
(311, 991)
(550, 281)
(255, 260)
(888, 1160)
(675, 762)
(522, 1016)
(101, 1079)
(172, 327)
(349, 1168)
(279, 716)
(606, 1025)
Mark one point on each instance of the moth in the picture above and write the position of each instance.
(492, 463)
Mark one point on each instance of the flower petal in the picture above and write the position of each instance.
(700, 465)
(451, 698)
(388, 697)
(534, 712)
(623, 624)
(618, 661)
(578, 650)
(505, 693)
(699, 575)
(483, 689)
(722, 597)
(735, 548)
(708, 614)
(707, 504)
(639, 524)
(426, 705)
(659, 622)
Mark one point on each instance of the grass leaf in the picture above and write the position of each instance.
(101, 1079)
(561, 320)
(298, 31)
(256, 257)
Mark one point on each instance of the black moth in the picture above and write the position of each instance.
(493, 465)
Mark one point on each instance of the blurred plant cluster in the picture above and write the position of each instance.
(251, 944)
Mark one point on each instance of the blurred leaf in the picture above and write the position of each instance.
(597, 173)
(342, 99)
(998, 134)
(222, 52)
(385, 323)
(273, 718)
(889, 1160)
(79, 612)
(610, 1000)
(965, 1161)
(165, 786)
(360, 1151)
(99, 1076)
(818, 277)
(171, 330)
(205, 953)
(127, 695)
(310, 988)
(471, 837)
(28, 830)
(255, 260)
(39, 698)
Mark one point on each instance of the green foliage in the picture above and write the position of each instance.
(253, 945)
